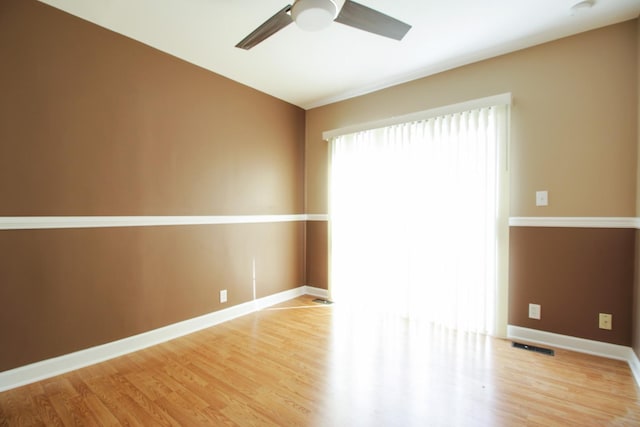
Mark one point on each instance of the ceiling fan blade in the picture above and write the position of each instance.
(267, 29)
(364, 18)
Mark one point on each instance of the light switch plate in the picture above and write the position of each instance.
(542, 198)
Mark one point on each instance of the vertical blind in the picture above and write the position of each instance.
(415, 218)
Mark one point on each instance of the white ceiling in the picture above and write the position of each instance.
(313, 69)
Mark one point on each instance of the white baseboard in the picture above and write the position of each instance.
(316, 292)
(634, 364)
(581, 345)
(59, 365)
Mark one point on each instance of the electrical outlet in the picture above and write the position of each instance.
(605, 321)
(534, 311)
(223, 296)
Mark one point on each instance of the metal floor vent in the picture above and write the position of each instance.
(537, 349)
(322, 301)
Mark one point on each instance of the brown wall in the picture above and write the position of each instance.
(635, 306)
(573, 122)
(574, 274)
(93, 123)
(317, 271)
(65, 290)
(573, 132)
(636, 283)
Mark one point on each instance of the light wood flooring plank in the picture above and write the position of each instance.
(304, 364)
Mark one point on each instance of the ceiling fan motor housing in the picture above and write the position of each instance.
(314, 15)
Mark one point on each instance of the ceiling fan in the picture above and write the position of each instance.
(314, 15)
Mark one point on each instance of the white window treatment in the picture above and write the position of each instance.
(415, 218)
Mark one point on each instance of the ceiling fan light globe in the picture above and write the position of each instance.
(581, 7)
(313, 15)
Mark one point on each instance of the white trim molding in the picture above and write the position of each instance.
(52, 222)
(59, 365)
(578, 222)
(581, 345)
(634, 364)
(316, 292)
(45, 222)
(317, 217)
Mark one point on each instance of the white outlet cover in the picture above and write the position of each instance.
(534, 311)
(223, 296)
(605, 321)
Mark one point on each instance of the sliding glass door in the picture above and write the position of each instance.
(418, 219)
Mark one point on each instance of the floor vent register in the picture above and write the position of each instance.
(535, 348)
(322, 301)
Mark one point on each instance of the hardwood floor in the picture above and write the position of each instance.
(304, 364)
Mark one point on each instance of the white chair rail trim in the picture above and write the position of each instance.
(43, 222)
(578, 222)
